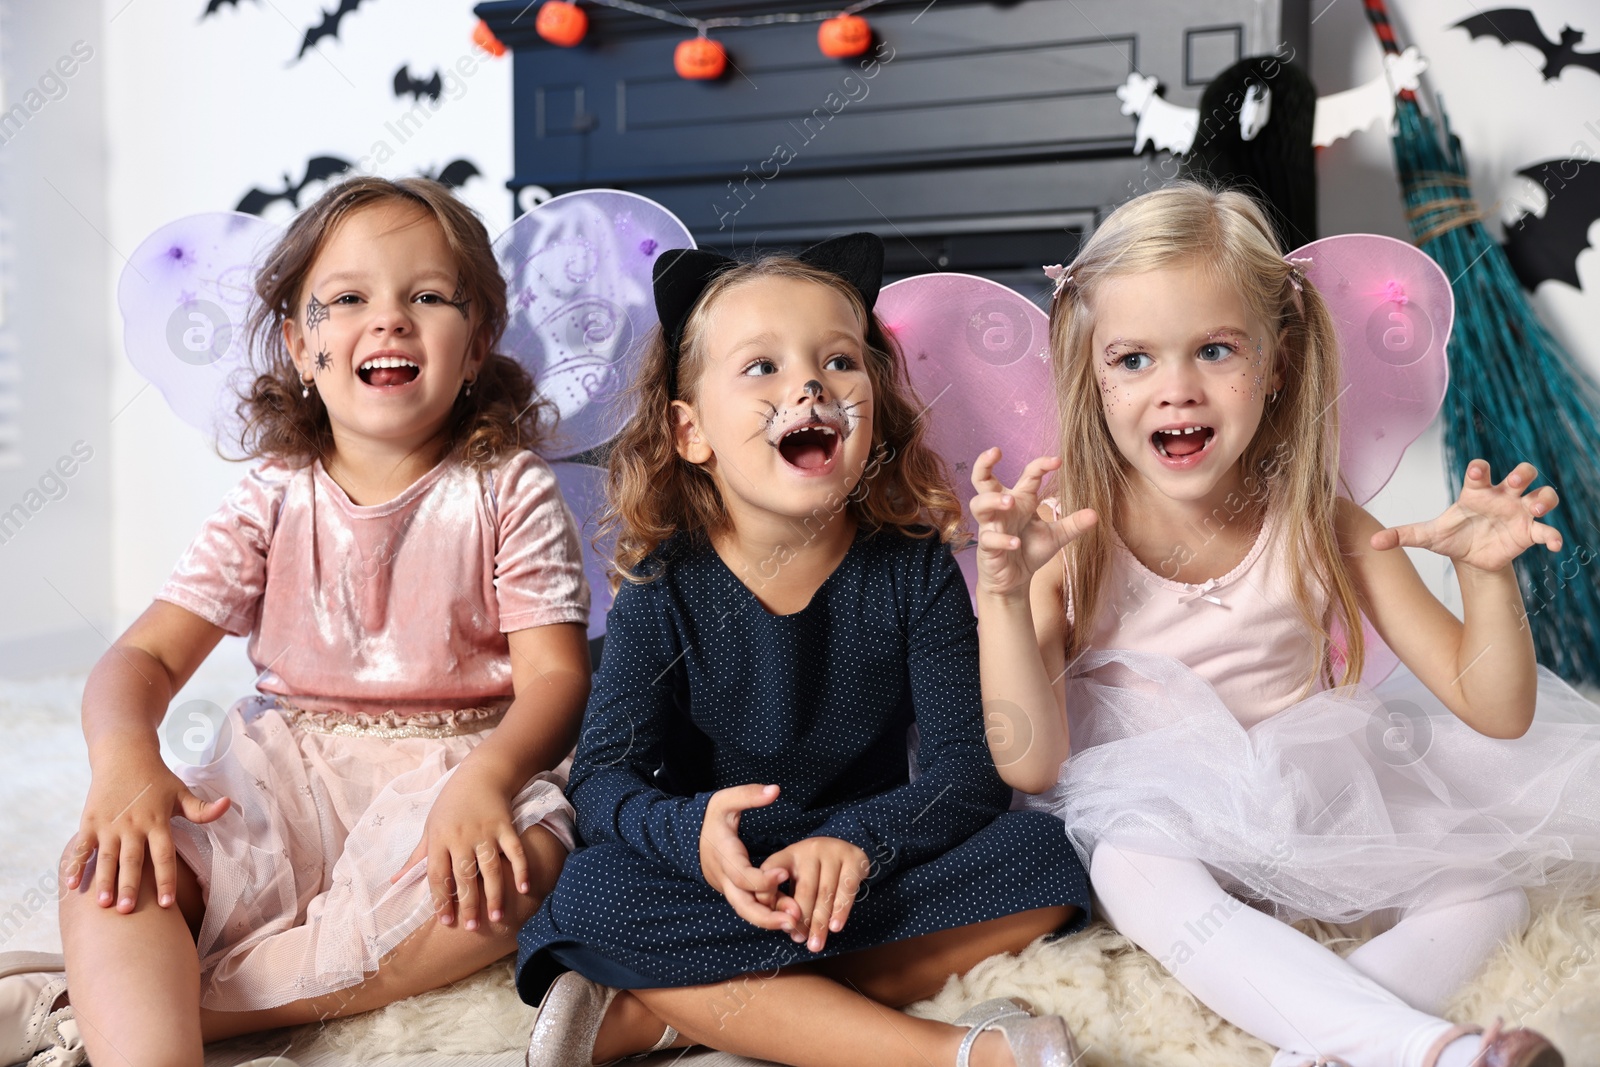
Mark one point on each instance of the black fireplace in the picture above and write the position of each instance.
(983, 136)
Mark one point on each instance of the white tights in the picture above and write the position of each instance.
(1377, 1008)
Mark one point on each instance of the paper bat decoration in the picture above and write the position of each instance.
(328, 27)
(216, 5)
(318, 169)
(1516, 25)
(455, 174)
(418, 88)
(1165, 125)
(1547, 248)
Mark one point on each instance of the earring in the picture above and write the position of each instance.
(469, 387)
(305, 387)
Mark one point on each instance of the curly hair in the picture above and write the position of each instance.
(653, 492)
(1294, 454)
(502, 414)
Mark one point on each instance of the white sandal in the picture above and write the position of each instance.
(30, 984)
(1035, 1040)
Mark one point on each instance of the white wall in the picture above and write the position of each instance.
(201, 111)
(1508, 117)
(197, 111)
(55, 546)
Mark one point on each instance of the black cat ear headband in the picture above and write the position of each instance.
(682, 274)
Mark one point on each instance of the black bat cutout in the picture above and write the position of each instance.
(216, 5)
(328, 27)
(1547, 249)
(1516, 25)
(404, 83)
(318, 169)
(455, 174)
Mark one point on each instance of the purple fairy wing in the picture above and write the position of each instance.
(184, 296)
(577, 271)
(584, 488)
(978, 354)
(1392, 308)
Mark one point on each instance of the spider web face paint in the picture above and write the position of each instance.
(459, 299)
(316, 313)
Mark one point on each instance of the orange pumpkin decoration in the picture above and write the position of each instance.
(484, 38)
(699, 59)
(844, 36)
(561, 23)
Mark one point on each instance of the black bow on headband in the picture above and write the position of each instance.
(682, 274)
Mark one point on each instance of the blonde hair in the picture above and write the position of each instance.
(653, 492)
(1294, 453)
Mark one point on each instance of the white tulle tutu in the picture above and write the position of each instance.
(296, 872)
(1347, 803)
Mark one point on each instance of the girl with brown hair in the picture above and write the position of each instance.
(762, 871)
(410, 583)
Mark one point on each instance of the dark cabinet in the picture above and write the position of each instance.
(977, 135)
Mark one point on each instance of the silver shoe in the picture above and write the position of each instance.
(1035, 1040)
(569, 1020)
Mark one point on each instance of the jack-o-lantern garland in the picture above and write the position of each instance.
(841, 35)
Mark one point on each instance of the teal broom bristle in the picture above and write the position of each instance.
(1515, 395)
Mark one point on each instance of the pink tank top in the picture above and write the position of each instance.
(1240, 632)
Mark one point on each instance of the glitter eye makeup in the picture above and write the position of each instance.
(1108, 392)
(1257, 371)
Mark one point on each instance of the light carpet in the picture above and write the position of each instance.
(1126, 1011)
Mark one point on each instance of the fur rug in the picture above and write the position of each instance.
(1126, 1011)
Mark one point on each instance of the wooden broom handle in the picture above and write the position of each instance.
(1378, 15)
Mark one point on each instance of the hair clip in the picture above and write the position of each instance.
(1058, 274)
(1297, 271)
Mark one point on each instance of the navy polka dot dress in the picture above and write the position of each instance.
(701, 688)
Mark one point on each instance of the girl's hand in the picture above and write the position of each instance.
(725, 862)
(1013, 542)
(1488, 526)
(130, 807)
(469, 837)
(825, 873)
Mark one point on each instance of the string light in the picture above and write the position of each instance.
(700, 26)
(842, 33)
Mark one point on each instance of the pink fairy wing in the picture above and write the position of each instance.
(1393, 309)
(577, 271)
(184, 295)
(584, 489)
(978, 354)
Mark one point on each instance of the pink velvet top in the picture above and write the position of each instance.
(401, 606)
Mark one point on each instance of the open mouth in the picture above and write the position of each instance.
(1184, 443)
(387, 372)
(809, 447)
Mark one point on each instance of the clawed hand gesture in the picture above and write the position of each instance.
(1488, 526)
(1013, 541)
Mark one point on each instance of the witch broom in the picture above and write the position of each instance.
(1515, 394)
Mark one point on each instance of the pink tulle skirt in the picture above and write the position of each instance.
(296, 872)
(1349, 802)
